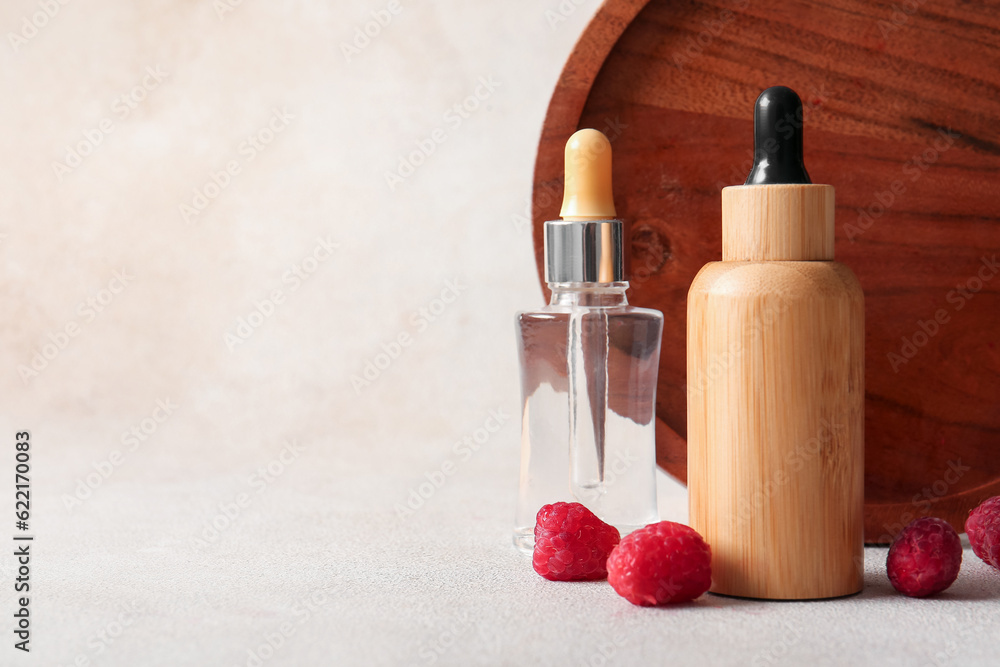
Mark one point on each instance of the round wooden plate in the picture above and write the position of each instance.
(903, 117)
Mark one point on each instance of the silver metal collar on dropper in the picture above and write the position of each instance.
(584, 251)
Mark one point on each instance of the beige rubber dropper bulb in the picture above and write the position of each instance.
(587, 191)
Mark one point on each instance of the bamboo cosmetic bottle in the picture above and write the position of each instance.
(775, 366)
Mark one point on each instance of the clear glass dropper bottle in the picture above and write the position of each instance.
(589, 363)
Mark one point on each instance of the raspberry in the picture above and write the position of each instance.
(925, 557)
(571, 543)
(661, 563)
(983, 527)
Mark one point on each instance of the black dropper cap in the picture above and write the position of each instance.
(777, 139)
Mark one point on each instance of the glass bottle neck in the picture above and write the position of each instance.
(596, 295)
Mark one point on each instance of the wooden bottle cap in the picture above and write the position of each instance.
(785, 221)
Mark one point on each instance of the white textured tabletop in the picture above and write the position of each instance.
(257, 275)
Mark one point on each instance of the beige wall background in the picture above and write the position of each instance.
(242, 347)
(114, 297)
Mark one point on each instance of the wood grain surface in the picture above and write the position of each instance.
(902, 113)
